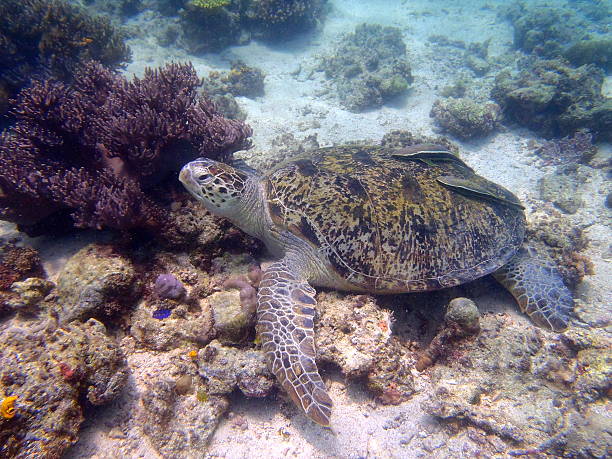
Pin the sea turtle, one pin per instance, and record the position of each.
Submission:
(371, 219)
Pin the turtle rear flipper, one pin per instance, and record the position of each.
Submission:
(285, 313)
(538, 288)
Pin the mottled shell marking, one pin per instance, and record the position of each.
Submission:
(388, 224)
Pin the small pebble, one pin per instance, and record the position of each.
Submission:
(464, 313)
(182, 384)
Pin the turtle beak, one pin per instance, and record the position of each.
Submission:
(186, 177)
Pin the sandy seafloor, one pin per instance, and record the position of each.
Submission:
(361, 428)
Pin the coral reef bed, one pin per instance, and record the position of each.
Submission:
(509, 390)
(212, 25)
(54, 373)
(553, 30)
(554, 98)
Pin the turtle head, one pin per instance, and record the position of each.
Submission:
(218, 186)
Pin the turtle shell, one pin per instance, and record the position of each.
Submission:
(389, 225)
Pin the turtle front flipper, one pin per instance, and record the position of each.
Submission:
(285, 313)
(538, 288)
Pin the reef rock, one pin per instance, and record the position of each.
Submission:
(161, 327)
(225, 368)
(52, 372)
(466, 118)
(369, 67)
(30, 293)
(555, 99)
(522, 385)
(562, 190)
(232, 320)
(95, 282)
(355, 334)
(461, 320)
(180, 425)
(351, 332)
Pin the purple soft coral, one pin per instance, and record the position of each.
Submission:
(98, 147)
(167, 286)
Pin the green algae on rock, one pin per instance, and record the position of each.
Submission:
(232, 320)
(596, 51)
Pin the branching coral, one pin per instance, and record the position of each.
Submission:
(51, 38)
(96, 147)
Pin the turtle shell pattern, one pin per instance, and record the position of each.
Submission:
(388, 225)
